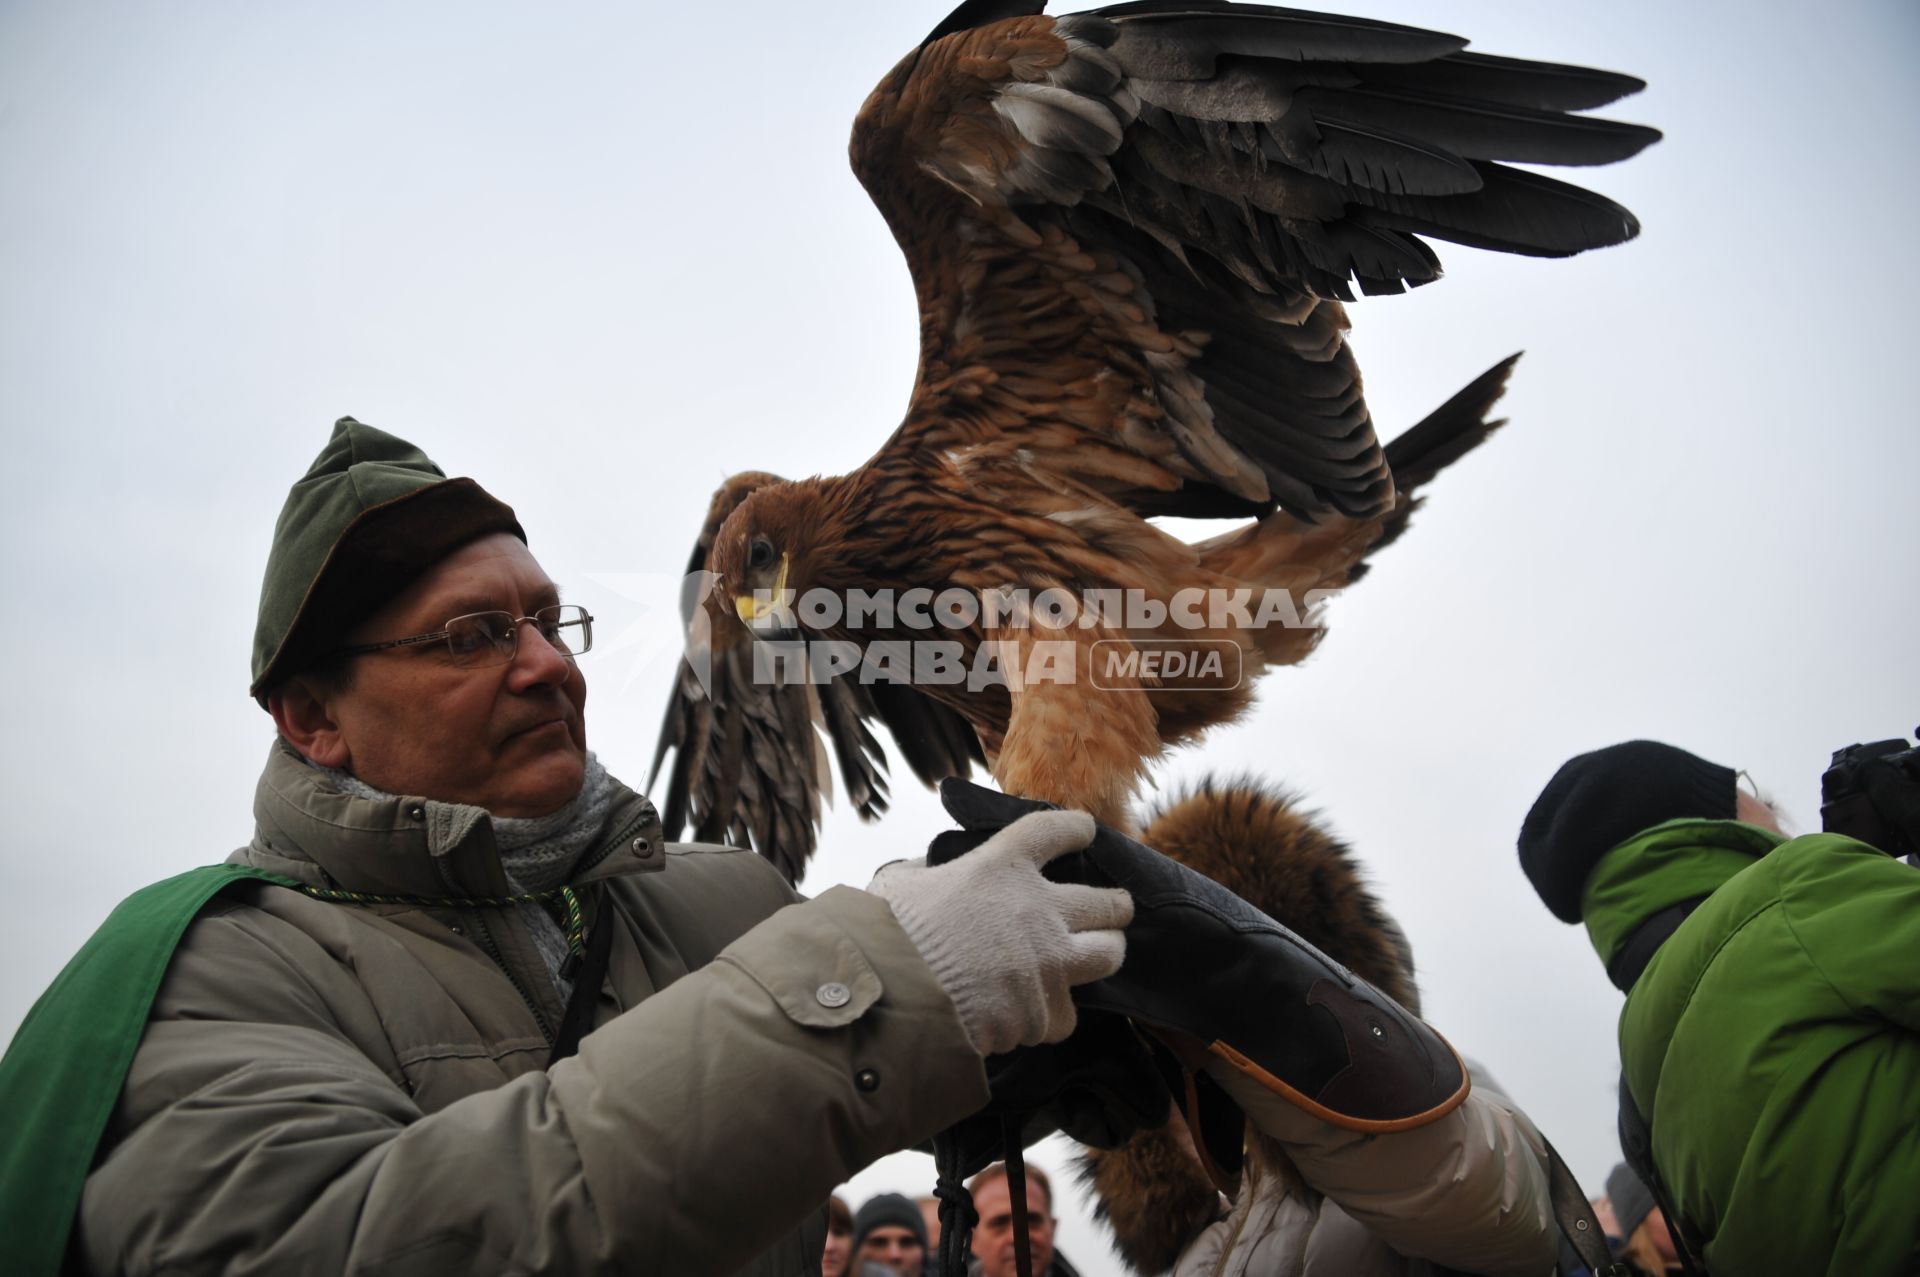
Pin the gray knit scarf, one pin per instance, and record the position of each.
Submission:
(539, 853)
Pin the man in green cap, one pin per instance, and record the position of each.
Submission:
(455, 1007)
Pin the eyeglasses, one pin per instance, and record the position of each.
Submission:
(493, 638)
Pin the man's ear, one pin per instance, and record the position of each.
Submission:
(305, 717)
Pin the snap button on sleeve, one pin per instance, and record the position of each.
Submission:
(867, 1079)
(416, 813)
(807, 958)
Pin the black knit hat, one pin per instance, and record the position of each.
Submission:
(1597, 801)
(1631, 1199)
(889, 1210)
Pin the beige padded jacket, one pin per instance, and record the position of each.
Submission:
(1468, 1191)
(328, 1088)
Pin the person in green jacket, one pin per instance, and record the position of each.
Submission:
(350, 1052)
(1771, 1034)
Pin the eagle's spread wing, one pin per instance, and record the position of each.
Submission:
(1130, 231)
(749, 766)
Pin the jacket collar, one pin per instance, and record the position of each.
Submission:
(1673, 863)
(413, 846)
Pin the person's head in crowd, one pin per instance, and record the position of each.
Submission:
(1597, 801)
(888, 1231)
(1600, 799)
(1609, 1222)
(1646, 1243)
(993, 1236)
(1632, 1200)
(838, 1256)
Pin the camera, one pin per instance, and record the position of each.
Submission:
(1872, 792)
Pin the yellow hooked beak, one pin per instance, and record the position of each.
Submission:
(752, 607)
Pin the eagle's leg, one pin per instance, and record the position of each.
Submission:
(1073, 738)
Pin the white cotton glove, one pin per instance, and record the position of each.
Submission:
(1006, 944)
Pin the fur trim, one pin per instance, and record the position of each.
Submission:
(1153, 1194)
(1252, 838)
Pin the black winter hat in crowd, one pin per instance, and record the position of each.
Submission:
(1631, 1199)
(889, 1210)
(1597, 801)
(371, 515)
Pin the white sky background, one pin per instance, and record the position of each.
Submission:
(600, 256)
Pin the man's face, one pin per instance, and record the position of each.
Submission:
(895, 1247)
(993, 1238)
(509, 738)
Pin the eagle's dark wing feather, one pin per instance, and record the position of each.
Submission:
(1131, 229)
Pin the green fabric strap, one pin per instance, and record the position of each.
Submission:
(63, 1072)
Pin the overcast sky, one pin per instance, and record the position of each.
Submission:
(601, 255)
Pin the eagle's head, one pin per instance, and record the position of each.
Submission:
(761, 552)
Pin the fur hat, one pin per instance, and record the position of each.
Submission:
(371, 515)
(888, 1210)
(1597, 801)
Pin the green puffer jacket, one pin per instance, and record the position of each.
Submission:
(1774, 1041)
(329, 1088)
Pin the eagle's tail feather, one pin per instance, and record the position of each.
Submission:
(1441, 438)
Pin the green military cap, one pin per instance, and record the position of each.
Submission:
(372, 514)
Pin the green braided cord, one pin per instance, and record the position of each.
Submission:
(576, 924)
(371, 898)
(576, 927)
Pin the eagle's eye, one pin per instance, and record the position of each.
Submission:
(760, 553)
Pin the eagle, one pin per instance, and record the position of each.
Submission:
(1132, 233)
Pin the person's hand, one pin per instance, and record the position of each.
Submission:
(1007, 945)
